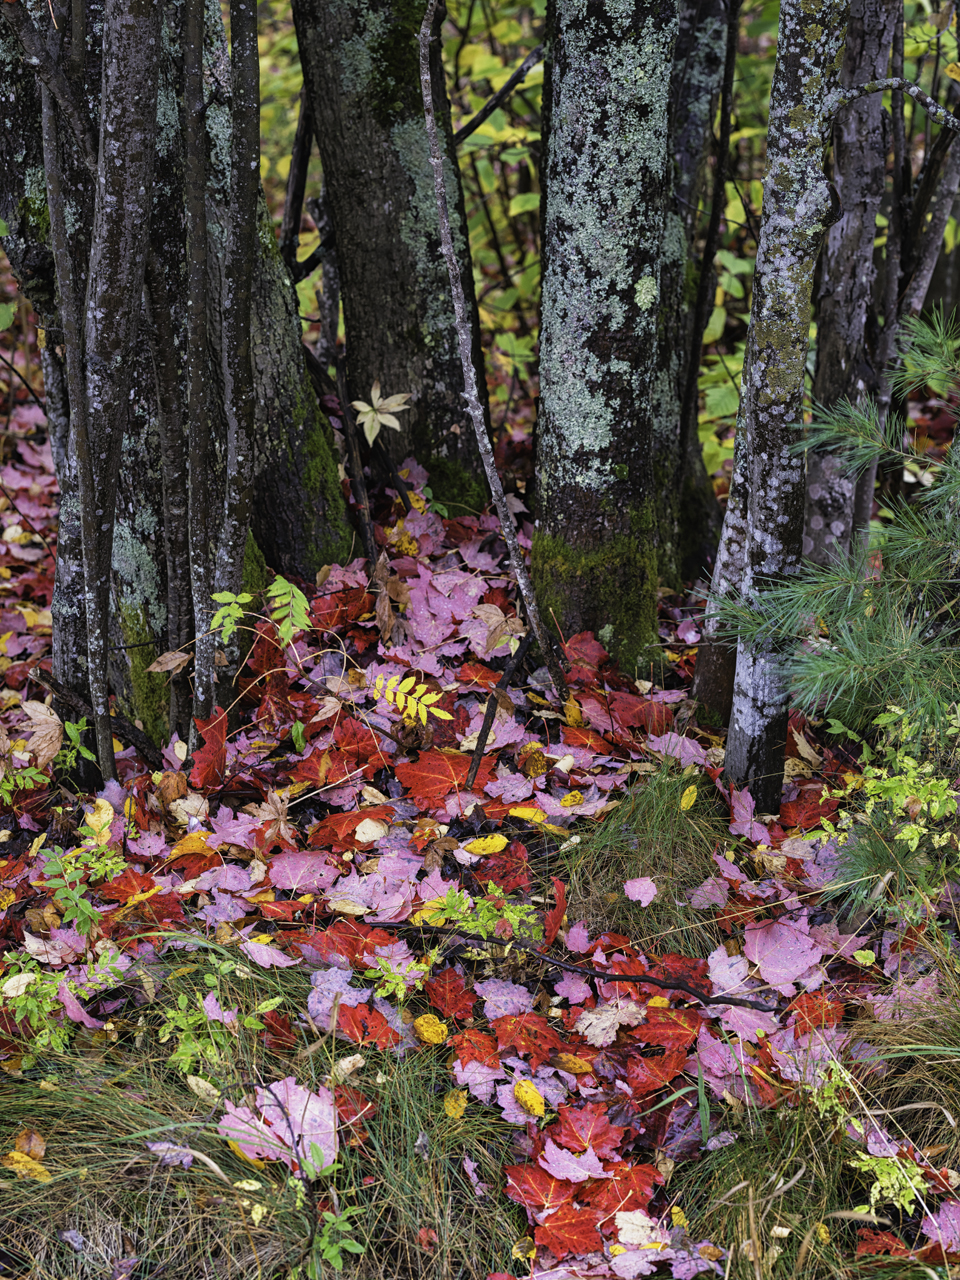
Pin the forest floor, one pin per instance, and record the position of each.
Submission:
(313, 1002)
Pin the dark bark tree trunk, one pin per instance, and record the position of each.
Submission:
(798, 206)
(361, 79)
(598, 545)
(688, 502)
(846, 367)
(140, 368)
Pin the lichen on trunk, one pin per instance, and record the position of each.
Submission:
(599, 546)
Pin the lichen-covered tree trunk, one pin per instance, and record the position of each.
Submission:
(361, 77)
(846, 366)
(798, 206)
(598, 544)
(297, 512)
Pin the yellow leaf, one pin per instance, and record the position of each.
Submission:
(25, 1166)
(430, 912)
(430, 1029)
(571, 709)
(678, 1217)
(100, 818)
(953, 70)
(235, 1148)
(486, 845)
(570, 1063)
(689, 798)
(528, 813)
(525, 1249)
(529, 1097)
(617, 1249)
(572, 798)
(455, 1103)
(195, 842)
(658, 1002)
(7, 898)
(207, 1093)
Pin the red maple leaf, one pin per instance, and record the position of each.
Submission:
(210, 760)
(815, 1010)
(278, 1034)
(808, 810)
(534, 1188)
(527, 1033)
(673, 1028)
(509, 869)
(475, 1046)
(364, 1025)
(587, 1127)
(329, 612)
(125, 885)
(586, 655)
(631, 1187)
(584, 738)
(437, 773)
(646, 1075)
(569, 1230)
(477, 673)
(338, 828)
(876, 1242)
(448, 993)
(553, 919)
(353, 1107)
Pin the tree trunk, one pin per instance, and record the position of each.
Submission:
(798, 204)
(297, 512)
(598, 545)
(688, 502)
(361, 78)
(846, 367)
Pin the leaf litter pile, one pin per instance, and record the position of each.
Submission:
(356, 831)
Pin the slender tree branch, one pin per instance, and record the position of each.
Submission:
(465, 339)
(491, 710)
(845, 96)
(358, 483)
(51, 74)
(500, 97)
(14, 370)
(296, 187)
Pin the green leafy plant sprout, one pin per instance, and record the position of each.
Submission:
(73, 747)
(32, 996)
(230, 614)
(491, 916)
(393, 982)
(290, 609)
(15, 781)
(71, 874)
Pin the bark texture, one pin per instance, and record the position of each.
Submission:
(599, 545)
(142, 344)
(798, 206)
(846, 366)
(361, 77)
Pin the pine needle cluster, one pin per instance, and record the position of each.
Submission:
(881, 624)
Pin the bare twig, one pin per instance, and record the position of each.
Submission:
(930, 105)
(497, 99)
(14, 370)
(465, 339)
(673, 984)
(356, 466)
(491, 710)
(296, 185)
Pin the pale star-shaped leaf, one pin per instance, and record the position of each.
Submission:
(380, 412)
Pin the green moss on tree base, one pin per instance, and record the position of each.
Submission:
(333, 539)
(613, 590)
(454, 486)
(148, 700)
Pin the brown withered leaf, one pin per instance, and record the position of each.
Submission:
(173, 660)
(46, 729)
(172, 786)
(29, 1143)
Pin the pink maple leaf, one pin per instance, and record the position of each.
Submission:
(560, 1163)
(642, 890)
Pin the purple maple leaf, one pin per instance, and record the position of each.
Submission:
(263, 954)
(306, 1120)
(235, 828)
(642, 890)
(302, 872)
(577, 938)
(328, 985)
(782, 951)
(674, 744)
(743, 806)
(503, 998)
(478, 1078)
(213, 1010)
(573, 988)
(171, 1153)
(564, 1164)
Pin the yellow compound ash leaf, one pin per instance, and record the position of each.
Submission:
(529, 1097)
(455, 1103)
(689, 798)
(485, 845)
(430, 1029)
